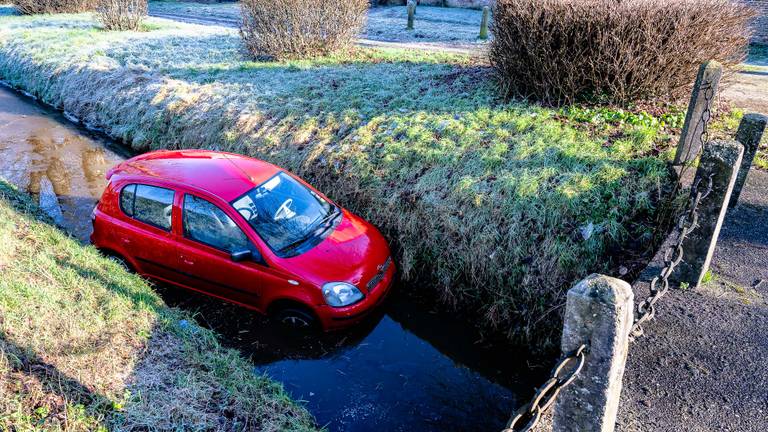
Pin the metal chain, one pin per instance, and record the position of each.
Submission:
(529, 415)
(687, 223)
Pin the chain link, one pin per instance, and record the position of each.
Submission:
(687, 223)
(530, 414)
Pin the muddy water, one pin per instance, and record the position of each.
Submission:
(61, 164)
(408, 368)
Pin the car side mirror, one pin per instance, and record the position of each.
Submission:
(242, 255)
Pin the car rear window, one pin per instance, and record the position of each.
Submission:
(149, 204)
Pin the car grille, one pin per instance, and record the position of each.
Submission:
(380, 275)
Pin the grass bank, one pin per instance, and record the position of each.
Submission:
(496, 207)
(87, 346)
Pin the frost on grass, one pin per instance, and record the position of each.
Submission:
(481, 199)
(87, 346)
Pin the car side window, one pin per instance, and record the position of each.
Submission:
(207, 223)
(149, 204)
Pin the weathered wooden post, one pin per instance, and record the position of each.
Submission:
(484, 23)
(720, 162)
(750, 134)
(598, 313)
(699, 112)
(411, 12)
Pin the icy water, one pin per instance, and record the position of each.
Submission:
(408, 368)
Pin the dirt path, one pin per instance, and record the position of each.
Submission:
(700, 365)
(749, 90)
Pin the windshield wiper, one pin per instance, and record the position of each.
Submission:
(322, 227)
(295, 244)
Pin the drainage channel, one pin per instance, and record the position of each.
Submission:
(410, 367)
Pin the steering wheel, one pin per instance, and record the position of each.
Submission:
(249, 215)
(284, 211)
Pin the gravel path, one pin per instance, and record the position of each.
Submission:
(699, 367)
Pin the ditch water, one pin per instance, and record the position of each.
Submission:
(408, 368)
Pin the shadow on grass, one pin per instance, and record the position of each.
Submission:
(57, 390)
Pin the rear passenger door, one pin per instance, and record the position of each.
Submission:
(147, 236)
(209, 236)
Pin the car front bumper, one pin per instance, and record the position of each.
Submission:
(333, 318)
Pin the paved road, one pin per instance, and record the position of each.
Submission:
(426, 46)
(701, 366)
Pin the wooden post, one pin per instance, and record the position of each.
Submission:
(698, 115)
(599, 312)
(750, 134)
(411, 13)
(484, 23)
(720, 162)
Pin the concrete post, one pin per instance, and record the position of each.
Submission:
(721, 161)
(598, 312)
(698, 115)
(750, 134)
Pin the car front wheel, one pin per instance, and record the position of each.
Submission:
(295, 318)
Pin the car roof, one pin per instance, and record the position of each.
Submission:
(226, 175)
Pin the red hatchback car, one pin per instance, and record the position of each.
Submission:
(245, 231)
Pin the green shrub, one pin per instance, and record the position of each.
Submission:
(30, 7)
(615, 51)
(300, 28)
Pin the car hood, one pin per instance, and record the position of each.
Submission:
(352, 253)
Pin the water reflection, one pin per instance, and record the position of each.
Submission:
(45, 155)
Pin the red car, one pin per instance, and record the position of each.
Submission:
(245, 231)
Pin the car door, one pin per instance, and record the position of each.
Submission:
(208, 238)
(146, 233)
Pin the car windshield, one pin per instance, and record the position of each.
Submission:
(284, 212)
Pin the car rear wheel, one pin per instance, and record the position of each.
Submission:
(120, 260)
(295, 318)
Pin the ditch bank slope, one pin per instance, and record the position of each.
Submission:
(495, 207)
(85, 345)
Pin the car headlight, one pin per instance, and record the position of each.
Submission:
(339, 294)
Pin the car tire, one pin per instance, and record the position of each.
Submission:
(120, 260)
(295, 318)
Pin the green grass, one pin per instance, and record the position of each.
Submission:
(87, 346)
(486, 202)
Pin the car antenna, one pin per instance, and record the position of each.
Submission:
(226, 156)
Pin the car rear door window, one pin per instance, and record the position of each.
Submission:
(149, 204)
(207, 223)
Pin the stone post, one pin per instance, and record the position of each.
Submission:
(721, 161)
(484, 23)
(749, 135)
(411, 12)
(698, 115)
(599, 312)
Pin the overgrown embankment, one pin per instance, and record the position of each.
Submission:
(87, 346)
(497, 207)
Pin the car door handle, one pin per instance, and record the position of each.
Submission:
(187, 262)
